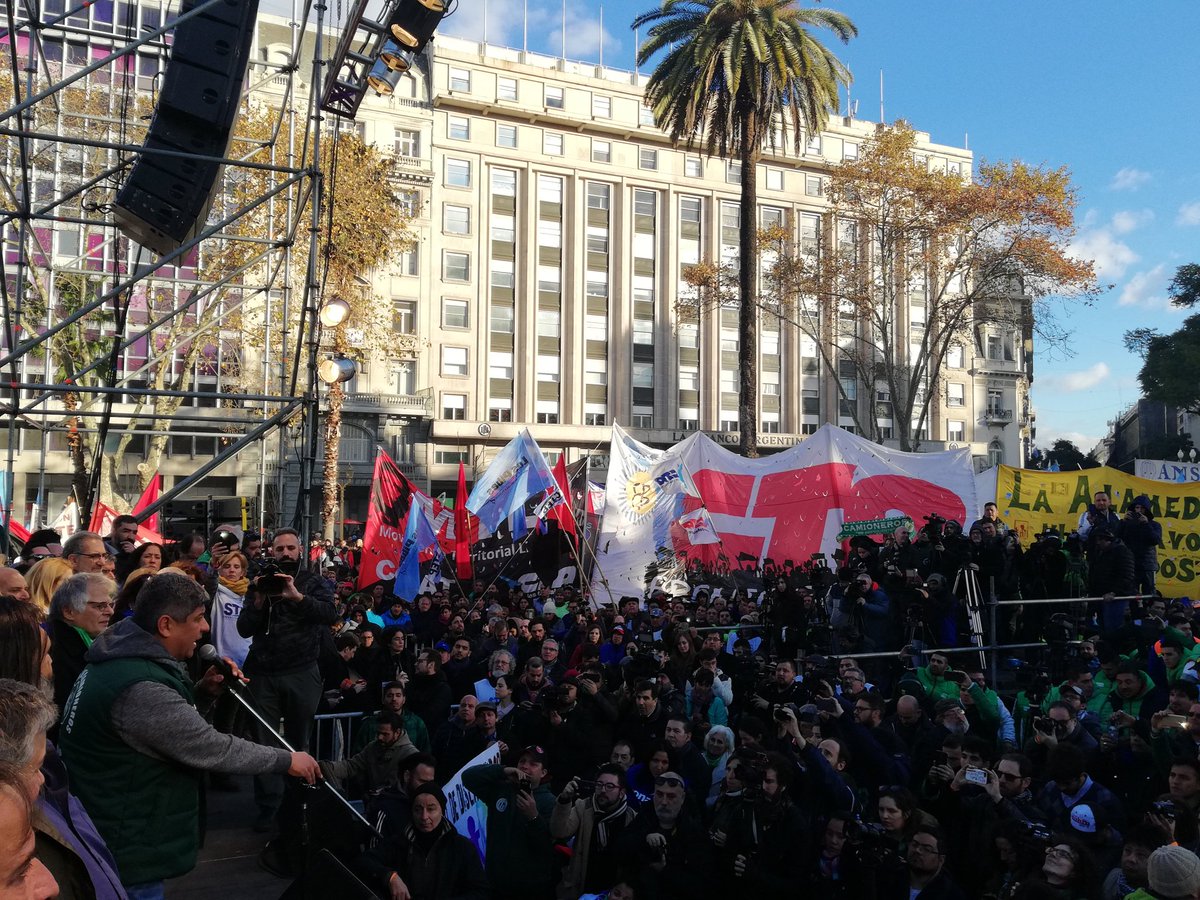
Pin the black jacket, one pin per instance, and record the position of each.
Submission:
(287, 634)
(1111, 570)
(429, 698)
(448, 870)
(67, 653)
(688, 873)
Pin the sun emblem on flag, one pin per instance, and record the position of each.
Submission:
(640, 494)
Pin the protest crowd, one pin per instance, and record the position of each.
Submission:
(807, 729)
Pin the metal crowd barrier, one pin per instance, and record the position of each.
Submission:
(334, 734)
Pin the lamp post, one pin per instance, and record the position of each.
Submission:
(334, 372)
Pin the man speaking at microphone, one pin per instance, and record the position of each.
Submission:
(136, 745)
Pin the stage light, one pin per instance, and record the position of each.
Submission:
(395, 57)
(334, 312)
(415, 22)
(337, 370)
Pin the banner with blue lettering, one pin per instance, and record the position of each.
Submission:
(466, 812)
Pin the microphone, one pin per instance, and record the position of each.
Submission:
(209, 654)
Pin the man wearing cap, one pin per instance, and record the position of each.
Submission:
(520, 851)
(1174, 874)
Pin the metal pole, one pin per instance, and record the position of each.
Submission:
(994, 634)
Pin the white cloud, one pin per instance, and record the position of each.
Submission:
(1111, 256)
(1073, 382)
(1146, 289)
(1085, 442)
(1129, 179)
(1128, 220)
(506, 27)
(1189, 214)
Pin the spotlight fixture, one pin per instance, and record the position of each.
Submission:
(415, 21)
(337, 370)
(334, 312)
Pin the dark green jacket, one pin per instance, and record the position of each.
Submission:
(520, 852)
(146, 809)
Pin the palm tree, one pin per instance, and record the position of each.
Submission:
(733, 72)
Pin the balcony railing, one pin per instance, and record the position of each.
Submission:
(395, 404)
(995, 416)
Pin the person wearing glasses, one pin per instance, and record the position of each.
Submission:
(666, 851)
(926, 858)
(79, 611)
(86, 552)
(1066, 872)
(594, 825)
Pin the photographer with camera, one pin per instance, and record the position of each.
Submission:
(666, 853)
(520, 857)
(1143, 536)
(592, 816)
(286, 610)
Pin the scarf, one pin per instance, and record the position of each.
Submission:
(87, 638)
(239, 587)
(602, 826)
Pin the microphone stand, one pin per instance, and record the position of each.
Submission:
(229, 681)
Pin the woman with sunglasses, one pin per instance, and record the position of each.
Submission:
(1066, 873)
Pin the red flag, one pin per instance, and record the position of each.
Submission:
(391, 496)
(564, 513)
(462, 529)
(149, 495)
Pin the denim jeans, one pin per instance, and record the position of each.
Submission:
(151, 890)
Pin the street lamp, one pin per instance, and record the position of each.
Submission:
(336, 370)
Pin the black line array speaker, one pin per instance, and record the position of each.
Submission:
(165, 199)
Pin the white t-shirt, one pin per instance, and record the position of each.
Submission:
(226, 608)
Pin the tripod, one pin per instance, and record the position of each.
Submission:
(968, 579)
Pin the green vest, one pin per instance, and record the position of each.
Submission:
(146, 809)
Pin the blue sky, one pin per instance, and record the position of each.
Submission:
(1107, 89)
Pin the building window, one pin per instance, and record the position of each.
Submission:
(643, 375)
(454, 406)
(548, 321)
(646, 117)
(770, 427)
(455, 314)
(499, 413)
(648, 159)
(554, 97)
(597, 195)
(689, 378)
(955, 431)
(456, 266)
(595, 328)
(692, 167)
(643, 420)
(456, 219)
(813, 186)
(503, 276)
(409, 202)
(500, 365)
(995, 453)
(729, 425)
(451, 457)
(547, 369)
(408, 263)
(506, 136)
(454, 362)
(547, 418)
(552, 144)
(404, 317)
(504, 182)
(814, 144)
(955, 394)
(954, 356)
(458, 172)
(595, 371)
(502, 319)
(459, 128)
(460, 79)
(849, 150)
(774, 179)
(408, 142)
(689, 424)
(601, 107)
(601, 151)
(506, 89)
(733, 172)
(594, 418)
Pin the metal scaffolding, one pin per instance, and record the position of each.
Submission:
(44, 189)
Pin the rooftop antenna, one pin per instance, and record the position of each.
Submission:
(966, 140)
(525, 27)
(601, 37)
(485, 22)
(882, 120)
(564, 32)
(636, 44)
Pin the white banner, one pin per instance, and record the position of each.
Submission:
(776, 508)
(1167, 470)
(466, 812)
